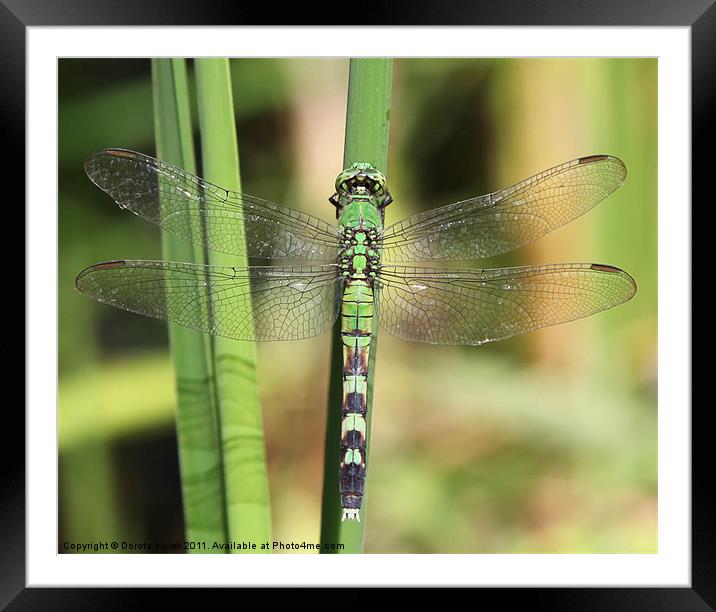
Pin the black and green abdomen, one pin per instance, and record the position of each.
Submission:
(356, 326)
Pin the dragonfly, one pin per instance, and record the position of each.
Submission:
(313, 272)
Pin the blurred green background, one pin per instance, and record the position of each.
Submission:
(540, 444)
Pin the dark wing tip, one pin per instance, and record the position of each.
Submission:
(94, 162)
(590, 159)
(618, 163)
(105, 265)
(116, 152)
(109, 265)
(605, 268)
(623, 275)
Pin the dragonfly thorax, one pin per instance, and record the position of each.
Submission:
(359, 258)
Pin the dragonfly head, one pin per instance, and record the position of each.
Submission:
(362, 180)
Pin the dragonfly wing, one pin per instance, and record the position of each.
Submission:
(478, 306)
(502, 221)
(205, 214)
(253, 303)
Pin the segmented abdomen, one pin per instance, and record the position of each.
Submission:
(356, 326)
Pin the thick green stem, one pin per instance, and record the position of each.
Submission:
(367, 123)
(197, 427)
(241, 426)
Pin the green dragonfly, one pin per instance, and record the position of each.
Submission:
(315, 272)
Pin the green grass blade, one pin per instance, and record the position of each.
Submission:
(245, 472)
(367, 123)
(197, 426)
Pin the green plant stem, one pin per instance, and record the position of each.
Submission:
(197, 427)
(242, 438)
(367, 123)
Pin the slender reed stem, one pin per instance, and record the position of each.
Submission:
(241, 426)
(199, 445)
(367, 123)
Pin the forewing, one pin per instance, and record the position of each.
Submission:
(502, 221)
(479, 306)
(254, 303)
(205, 214)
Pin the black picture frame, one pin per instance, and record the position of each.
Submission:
(17, 15)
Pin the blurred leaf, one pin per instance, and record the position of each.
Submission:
(119, 398)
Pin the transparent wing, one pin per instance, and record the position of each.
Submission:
(195, 210)
(254, 303)
(502, 221)
(479, 306)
